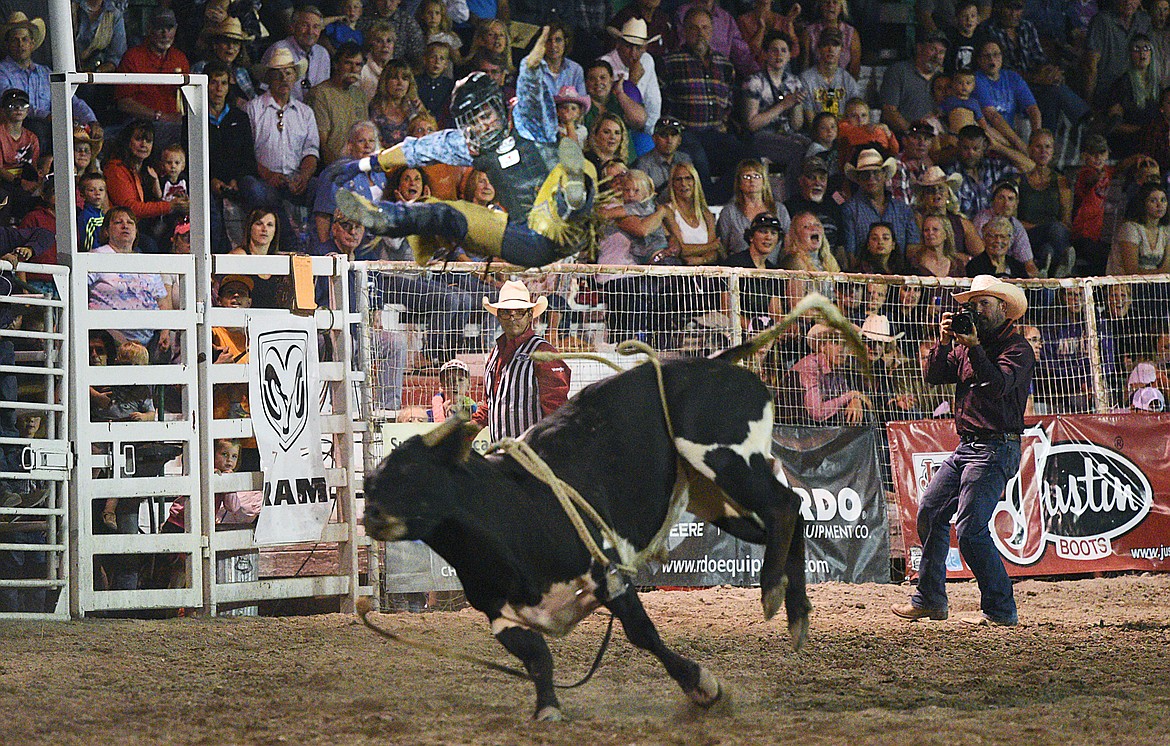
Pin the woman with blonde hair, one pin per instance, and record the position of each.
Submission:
(396, 102)
(609, 140)
(752, 196)
(805, 246)
(936, 256)
(492, 36)
(690, 224)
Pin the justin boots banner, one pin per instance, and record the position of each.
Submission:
(1092, 494)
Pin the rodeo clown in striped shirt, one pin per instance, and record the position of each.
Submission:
(519, 391)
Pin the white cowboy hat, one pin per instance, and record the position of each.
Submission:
(871, 160)
(634, 31)
(281, 58)
(36, 28)
(935, 176)
(1012, 296)
(1149, 399)
(514, 294)
(877, 328)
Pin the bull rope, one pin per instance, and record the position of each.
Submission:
(570, 499)
(364, 607)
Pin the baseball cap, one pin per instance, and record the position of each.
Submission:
(921, 127)
(814, 165)
(1095, 144)
(162, 17)
(668, 125)
(454, 366)
(14, 96)
(937, 37)
(830, 36)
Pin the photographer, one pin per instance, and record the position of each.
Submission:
(992, 366)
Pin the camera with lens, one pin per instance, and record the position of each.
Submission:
(963, 322)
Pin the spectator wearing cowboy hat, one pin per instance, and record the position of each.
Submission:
(23, 36)
(287, 139)
(828, 396)
(519, 390)
(660, 32)
(634, 67)
(157, 54)
(571, 107)
(935, 194)
(301, 46)
(992, 367)
(225, 42)
(873, 202)
(894, 379)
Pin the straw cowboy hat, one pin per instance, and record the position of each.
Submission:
(821, 331)
(35, 26)
(81, 134)
(871, 160)
(281, 58)
(569, 95)
(514, 294)
(634, 31)
(230, 28)
(1012, 296)
(877, 328)
(935, 176)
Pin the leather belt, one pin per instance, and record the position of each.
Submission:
(990, 438)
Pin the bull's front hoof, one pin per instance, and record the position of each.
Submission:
(708, 692)
(773, 597)
(549, 714)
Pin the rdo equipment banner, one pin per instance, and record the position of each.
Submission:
(283, 382)
(835, 472)
(1092, 494)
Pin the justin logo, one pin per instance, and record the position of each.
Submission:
(284, 383)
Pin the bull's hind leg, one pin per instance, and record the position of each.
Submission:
(696, 682)
(532, 650)
(752, 484)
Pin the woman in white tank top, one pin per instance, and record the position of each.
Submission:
(690, 225)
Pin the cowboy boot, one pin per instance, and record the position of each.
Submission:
(430, 227)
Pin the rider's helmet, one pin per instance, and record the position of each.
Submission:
(477, 106)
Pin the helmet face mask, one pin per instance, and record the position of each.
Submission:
(477, 105)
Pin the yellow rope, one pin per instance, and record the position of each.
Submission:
(570, 499)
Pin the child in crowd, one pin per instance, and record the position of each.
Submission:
(960, 108)
(961, 37)
(435, 83)
(436, 25)
(91, 216)
(125, 404)
(855, 129)
(454, 391)
(571, 106)
(234, 508)
(825, 142)
(344, 27)
(20, 150)
(173, 184)
(1092, 186)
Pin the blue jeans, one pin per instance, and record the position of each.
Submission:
(970, 482)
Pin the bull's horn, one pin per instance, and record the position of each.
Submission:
(452, 424)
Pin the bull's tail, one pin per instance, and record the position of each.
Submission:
(812, 302)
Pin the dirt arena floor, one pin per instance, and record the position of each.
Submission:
(1090, 663)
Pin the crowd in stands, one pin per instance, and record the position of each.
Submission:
(1020, 138)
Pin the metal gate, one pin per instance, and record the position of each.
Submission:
(35, 453)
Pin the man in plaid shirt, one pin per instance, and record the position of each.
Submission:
(698, 87)
(980, 170)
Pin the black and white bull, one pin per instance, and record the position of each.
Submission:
(520, 560)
